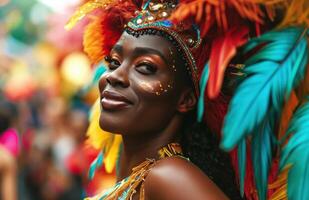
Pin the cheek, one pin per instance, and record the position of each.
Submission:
(102, 81)
(155, 88)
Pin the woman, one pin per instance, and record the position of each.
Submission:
(159, 60)
(132, 86)
(9, 150)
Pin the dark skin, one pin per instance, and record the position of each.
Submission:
(145, 100)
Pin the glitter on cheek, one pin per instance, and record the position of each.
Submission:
(149, 87)
(163, 88)
(156, 87)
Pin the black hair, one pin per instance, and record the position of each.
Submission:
(202, 148)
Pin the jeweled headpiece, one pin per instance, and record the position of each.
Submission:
(154, 19)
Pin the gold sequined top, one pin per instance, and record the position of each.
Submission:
(125, 189)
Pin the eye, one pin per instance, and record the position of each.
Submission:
(146, 68)
(113, 63)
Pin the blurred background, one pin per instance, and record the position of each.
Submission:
(45, 97)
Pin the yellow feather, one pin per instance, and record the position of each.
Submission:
(96, 136)
(280, 185)
(100, 139)
(84, 10)
(112, 154)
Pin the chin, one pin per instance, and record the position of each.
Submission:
(112, 123)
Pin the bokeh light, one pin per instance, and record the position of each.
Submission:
(46, 93)
(76, 69)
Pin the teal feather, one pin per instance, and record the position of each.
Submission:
(99, 70)
(96, 163)
(146, 4)
(296, 153)
(201, 102)
(271, 74)
(242, 155)
(269, 81)
(261, 152)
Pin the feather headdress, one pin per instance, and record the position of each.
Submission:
(262, 45)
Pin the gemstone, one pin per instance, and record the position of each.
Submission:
(155, 7)
(164, 14)
(150, 18)
(139, 21)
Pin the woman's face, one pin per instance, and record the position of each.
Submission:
(141, 89)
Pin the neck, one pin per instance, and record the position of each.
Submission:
(139, 147)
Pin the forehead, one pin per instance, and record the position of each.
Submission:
(129, 43)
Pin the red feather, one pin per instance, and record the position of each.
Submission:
(222, 51)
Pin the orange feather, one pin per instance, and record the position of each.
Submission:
(217, 9)
(287, 113)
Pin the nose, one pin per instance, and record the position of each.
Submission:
(118, 77)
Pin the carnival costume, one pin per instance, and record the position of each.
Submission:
(256, 50)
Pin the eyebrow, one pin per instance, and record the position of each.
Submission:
(141, 50)
(145, 50)
(117, 48)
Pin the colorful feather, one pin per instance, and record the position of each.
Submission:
(259, 98)
(207, 13)
(106, 25)
(84, 10)
(242, 154)
(262, 150)
(93, 41)
(222, 51)
(112, 153)
(96, 136)
(201, 102)
(109, 143)
(105, 30)
(280, 185)
(287, 113)
(97, 73)
(297, 13)
(269, 81)
(296, 154)
(97, 163)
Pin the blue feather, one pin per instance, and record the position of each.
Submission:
(296, 153)
(96, 163)
(269, 81)
(203, 83)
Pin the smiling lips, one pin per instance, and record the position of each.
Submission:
(114, 101)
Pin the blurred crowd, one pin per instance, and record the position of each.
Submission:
(44, 104)
(49, 133)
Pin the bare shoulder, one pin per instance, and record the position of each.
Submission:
(176, 178)
(7, 162)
